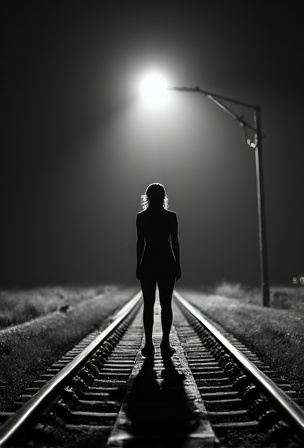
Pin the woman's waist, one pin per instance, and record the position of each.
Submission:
(157, 245)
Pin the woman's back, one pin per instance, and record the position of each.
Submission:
(156, 226)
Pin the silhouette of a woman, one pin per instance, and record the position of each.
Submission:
(158, 262)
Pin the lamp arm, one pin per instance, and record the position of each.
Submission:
(215, 95)
(243, 123)
(216, 99)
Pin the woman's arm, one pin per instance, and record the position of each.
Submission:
(175, 245)
(140, 245)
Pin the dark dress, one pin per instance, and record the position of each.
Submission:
(156, 226)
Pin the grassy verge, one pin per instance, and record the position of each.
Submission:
(28, 349)
(276, 335)
(18, 306)
(281, 297)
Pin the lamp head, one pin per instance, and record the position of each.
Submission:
(154, 89)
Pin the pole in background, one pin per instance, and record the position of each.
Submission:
(261, 208)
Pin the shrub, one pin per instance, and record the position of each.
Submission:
(233, 291)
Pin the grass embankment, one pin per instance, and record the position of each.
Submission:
(28, 349)
(276, 335)
(18, 306)
(281, 297)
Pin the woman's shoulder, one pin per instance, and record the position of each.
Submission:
(170, 213)
(141, 215)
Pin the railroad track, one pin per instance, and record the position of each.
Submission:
(213, 392)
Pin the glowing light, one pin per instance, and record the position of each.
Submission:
(154, 89)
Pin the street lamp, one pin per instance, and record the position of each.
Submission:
(256, 144)
(154, 89)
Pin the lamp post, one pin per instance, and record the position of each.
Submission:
(256, 144)
(155, 83)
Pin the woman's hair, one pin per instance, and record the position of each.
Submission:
(155, 196)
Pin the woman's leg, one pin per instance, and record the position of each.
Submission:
(148, 286)
(165, 286)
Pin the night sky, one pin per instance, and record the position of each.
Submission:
(79, 147)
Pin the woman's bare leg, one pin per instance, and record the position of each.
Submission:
(166, 285)
(148, 287)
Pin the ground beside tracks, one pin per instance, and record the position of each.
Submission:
(275, 335)
(26, 350)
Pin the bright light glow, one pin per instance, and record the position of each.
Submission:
(154, 89)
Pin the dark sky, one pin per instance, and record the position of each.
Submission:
(78, 147)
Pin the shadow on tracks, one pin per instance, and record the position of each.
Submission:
(159, 408)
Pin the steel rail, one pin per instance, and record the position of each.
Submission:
(28, 415)
(280, 401)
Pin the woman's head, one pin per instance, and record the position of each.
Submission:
(155, 196)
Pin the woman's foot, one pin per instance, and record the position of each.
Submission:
(166, 350)
(148, 350)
